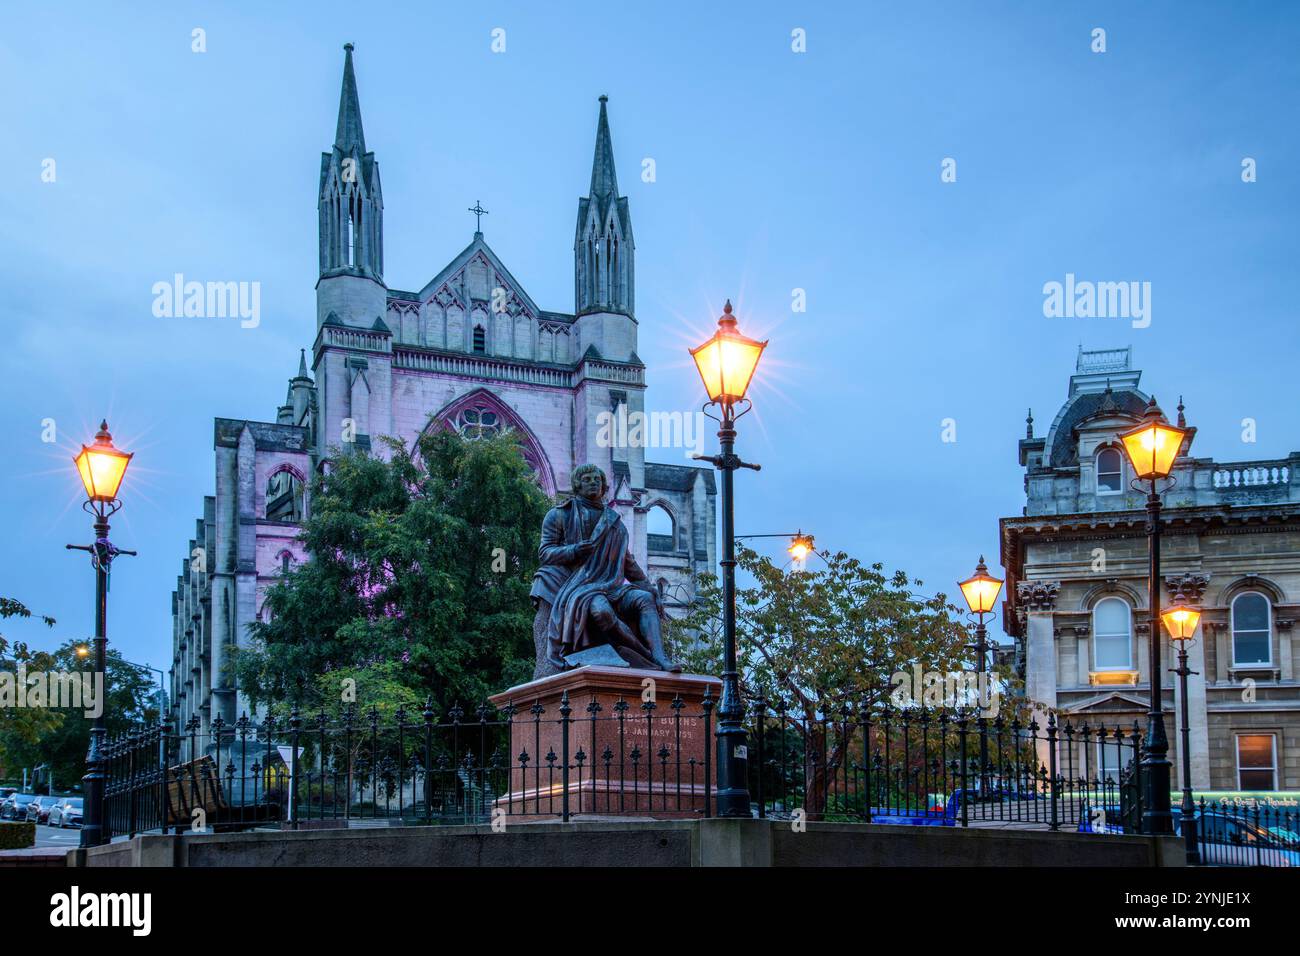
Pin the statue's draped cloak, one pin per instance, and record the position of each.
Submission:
(569, 629)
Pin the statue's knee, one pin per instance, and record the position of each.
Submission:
(602, 613)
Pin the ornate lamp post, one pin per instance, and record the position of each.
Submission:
(1180, 621)
(981, 593)
(1151, 448)
(101, 468)
(726, 363)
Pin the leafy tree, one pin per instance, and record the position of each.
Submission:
(58, 736)
(817, 641)
(423, 562)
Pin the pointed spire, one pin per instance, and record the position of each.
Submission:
(604, 184)
(349, 131)
(302, 363)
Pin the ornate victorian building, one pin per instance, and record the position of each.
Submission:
(469, 350)
(1076, 565)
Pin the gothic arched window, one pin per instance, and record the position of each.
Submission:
(1252, 631)
(480, 340)
(284, 491)
(1110, 472)
(352, 252)
(1112, 633)
(660, 529)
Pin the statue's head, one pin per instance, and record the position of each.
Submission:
(589, 482)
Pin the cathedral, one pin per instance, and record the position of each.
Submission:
(468, 351)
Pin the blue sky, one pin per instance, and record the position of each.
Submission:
(775, 171)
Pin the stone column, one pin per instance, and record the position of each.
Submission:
(1285, 657)
(1197, 718)
(1038, 599)
(1083, 658)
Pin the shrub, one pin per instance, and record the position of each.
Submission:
(17, 836)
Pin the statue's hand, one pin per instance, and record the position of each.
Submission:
(584, 549)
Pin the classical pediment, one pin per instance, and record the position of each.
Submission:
(1114, 702)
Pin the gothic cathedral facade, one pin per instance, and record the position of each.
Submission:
(469, 351)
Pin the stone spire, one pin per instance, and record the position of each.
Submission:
(604, 181)
(351, 206)
(300, 389)
(603, 267)
(349, 132)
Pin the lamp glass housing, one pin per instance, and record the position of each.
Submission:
(101, 467)
(1180, 621)
(1152, 448)
(981, 590)
(726, 362)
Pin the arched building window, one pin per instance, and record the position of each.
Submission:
(480, 414)
(1252, 629)
(284, 496)
(1112, 632)
(1110, 472)
(480, 340)
(661, 530)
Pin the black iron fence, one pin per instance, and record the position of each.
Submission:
(581, 758)
(948, 767)
(910, 766)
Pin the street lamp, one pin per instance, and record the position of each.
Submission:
(1181, 620)
(1151, 448)
(801, 544)
(726, 363)
(981, 593)
(101, 467)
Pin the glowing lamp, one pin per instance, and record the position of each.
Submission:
(1181, 619)
(1152, 446)
(801, 545)
(727, 361)
(981, 589)
(102, 466)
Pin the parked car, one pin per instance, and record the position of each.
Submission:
(38, 811)
(15, 808)
(7, 792)
(66, 813)
(1227, 840)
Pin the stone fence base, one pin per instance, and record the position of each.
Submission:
(683, 843)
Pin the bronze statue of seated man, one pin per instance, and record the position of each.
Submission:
(589, 591)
